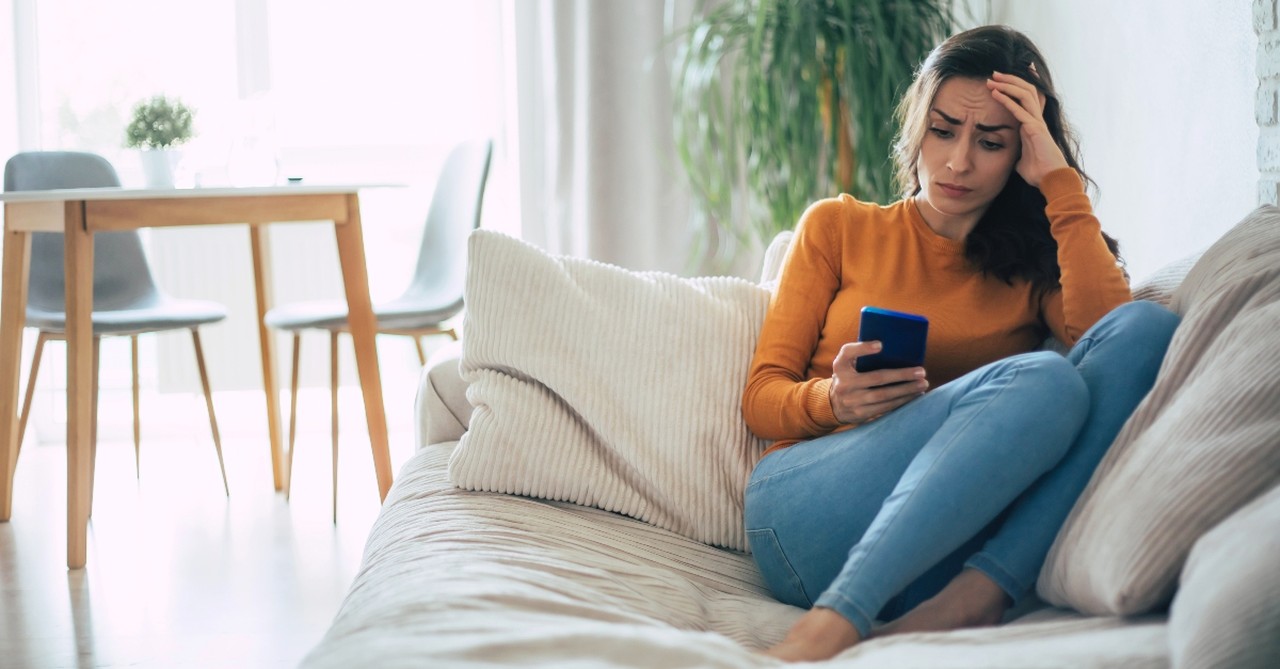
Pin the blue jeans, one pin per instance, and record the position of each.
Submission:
(980, 472)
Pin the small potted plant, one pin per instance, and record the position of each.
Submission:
(158, 126)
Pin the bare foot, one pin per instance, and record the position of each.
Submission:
(819, 634)
(971, 599)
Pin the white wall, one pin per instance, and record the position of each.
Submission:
(8, 86)
(1161, 93)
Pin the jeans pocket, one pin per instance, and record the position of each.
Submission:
(778, 573)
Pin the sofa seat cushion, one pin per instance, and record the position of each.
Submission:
(1204, 441)
(454, 578)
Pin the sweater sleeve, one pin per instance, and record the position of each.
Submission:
(779, 402)
(1092, 282)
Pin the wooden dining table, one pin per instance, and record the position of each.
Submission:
(80, 213)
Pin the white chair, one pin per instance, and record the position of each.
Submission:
(126, 300)
(433, 296)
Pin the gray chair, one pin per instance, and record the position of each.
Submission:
(126, 300)
(433, 296)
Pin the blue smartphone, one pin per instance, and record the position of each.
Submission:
(901, 334)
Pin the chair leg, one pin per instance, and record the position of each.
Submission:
(93, 422)
(333, 408)
(293, 414)
(453, 334)
(417, 342)
(208, 399)
(31, 387)
(137, 421)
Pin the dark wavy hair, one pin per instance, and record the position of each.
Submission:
(1012, 239)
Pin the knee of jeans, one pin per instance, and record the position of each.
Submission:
(1142, 322)
(1060, 380)
(1060, 396)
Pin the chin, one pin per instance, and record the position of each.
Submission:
(946, 205)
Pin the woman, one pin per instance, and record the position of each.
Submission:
(882, 498)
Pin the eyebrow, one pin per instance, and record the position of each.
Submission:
(979, 126)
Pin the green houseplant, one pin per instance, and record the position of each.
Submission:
(157, 127)
(782, 102)
(159, 123)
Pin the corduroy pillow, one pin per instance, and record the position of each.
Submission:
(1204, 441)
(608, 388)
(1227, 610)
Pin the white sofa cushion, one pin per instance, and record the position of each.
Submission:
(608, 388)
(441, 405)
(1161, 286)
(1227, 610)
(1204, 441)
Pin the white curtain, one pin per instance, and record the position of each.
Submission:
(598, 170)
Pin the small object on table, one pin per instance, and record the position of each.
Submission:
(295, 180)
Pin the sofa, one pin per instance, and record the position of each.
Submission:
(575, 498)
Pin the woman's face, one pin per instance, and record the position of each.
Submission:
(969, 150)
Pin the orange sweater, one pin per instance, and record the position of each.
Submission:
(849, 254)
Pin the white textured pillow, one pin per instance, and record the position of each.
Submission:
(1160, 286)
(608, 388)
(1227, 610)
(1204, 441)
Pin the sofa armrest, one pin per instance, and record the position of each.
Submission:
(441, 408)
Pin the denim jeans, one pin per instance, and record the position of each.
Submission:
(980, 472)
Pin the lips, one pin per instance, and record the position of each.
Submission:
(954, 190)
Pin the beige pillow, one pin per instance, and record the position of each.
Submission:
(1251, 247)
(1227, 610)
(608, 388)
(1204, 441)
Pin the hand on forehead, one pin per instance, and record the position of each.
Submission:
(968, 102)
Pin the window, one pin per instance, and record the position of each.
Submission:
(370, 92)
(95, 60)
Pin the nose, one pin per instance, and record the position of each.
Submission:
(960, 161)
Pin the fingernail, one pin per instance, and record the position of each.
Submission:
(919, 373)
(876, 346)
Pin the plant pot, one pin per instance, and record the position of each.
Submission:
(159, 166)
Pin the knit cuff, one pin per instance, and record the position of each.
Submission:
(817, 403)
(1061, 182)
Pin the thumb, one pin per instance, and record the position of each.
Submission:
(854, 350)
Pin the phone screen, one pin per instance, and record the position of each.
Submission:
(902, 335)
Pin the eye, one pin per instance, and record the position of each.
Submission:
(990, 145)
(941, 132)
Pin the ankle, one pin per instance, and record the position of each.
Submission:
(822, 622)
(971, 599)
(981, 589)
(976, 598)
(817, 635)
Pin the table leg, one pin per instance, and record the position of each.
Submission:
(78, 245)
(363, 331)
(266, 341)
(13, 313)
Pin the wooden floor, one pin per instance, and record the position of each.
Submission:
(178, 574)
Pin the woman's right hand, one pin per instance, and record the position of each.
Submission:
(859, 397)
